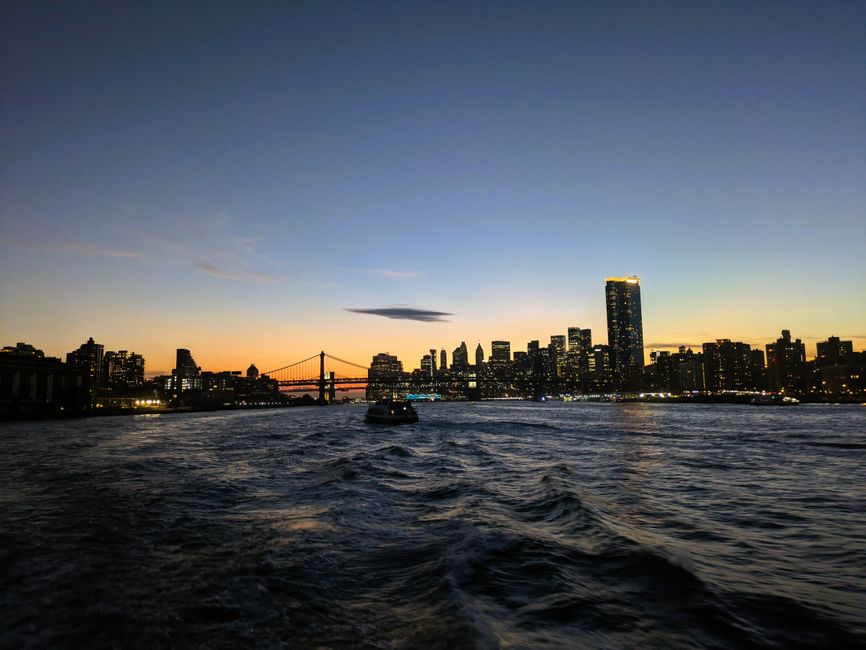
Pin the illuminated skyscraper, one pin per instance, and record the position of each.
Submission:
(557, 352)
(625, 330)
(500, 351)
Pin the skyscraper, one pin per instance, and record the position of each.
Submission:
(557, 352)
(500, 352)
(460, 357)
(479, 356)
(443, 360)
(625, 330)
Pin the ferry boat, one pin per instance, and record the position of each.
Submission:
(391, 411)
(774, 400)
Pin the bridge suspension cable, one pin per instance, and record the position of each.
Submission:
(348, 363)
(291, 365)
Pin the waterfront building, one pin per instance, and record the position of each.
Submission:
(625, 330)
(727, 365)
(758, 369)
(122, 370)
(186, 376)
(89, 355)
(479, 356)
(252, 372)
(33, 385)
(428, 364)
(838, 369)
(680, 372)
(786, 364)
(601, 372)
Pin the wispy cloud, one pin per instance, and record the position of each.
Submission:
(230, 260)
(397, 275)
(671, 345)
(404, 313)
(72, 248)
(239, 275)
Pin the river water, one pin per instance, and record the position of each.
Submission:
(491, 524)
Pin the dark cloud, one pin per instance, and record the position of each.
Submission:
(404, 313)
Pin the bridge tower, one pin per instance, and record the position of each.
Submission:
(322, 401)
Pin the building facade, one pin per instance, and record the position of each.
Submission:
(625, 330)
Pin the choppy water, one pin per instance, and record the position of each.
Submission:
(484, 525)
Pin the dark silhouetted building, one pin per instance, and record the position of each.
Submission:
(727, 365)
(833, 351)
(443, 360)
(479, 356)
(252, 372)
(122, 370)
(89, 356)
(460, 358)
(433, 360)
(33, 385)
(186, 376)
(786, 365)
(625, 330)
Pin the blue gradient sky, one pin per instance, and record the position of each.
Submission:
(230, 178)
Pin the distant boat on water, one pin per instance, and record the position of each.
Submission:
(774, 400)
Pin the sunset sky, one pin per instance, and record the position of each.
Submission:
(234, 177)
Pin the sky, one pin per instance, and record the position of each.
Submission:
(258, 181)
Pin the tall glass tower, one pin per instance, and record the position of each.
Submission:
(625, 330)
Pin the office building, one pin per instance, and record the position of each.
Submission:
(557, 353)
(625, 330)
(479, 356)
(500, 352)
(460, 358)
(443, 360)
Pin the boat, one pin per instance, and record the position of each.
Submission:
(774, 400)
(391, 411)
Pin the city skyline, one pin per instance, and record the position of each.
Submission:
(256, 185)
(568, 340)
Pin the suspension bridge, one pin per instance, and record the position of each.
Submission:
(325, 373)
(321, 371)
